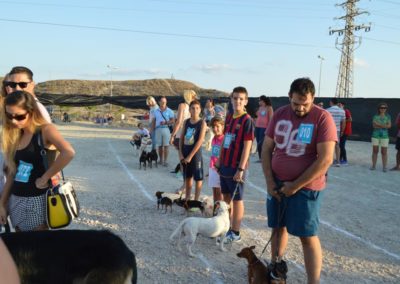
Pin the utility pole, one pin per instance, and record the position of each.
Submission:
(350, 42)
(320, 73)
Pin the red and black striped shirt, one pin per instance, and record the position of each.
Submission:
(237, 130)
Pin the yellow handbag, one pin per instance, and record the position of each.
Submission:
(58, 215)
(62, 203)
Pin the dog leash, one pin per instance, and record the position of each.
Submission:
(280, 216)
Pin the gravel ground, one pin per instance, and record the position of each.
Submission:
(359, 219)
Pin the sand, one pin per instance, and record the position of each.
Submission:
(359, 218)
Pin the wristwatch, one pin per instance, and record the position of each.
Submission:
(240, 169)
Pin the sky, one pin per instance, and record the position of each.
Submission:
(262, 45)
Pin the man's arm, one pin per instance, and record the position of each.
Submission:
(266, 158)
(325, 152)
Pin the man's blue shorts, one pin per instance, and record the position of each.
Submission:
(228, 185)
(299, 213)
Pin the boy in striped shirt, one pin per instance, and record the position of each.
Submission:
(233, 161)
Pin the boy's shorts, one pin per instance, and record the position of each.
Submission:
(228, 186)
(398, 144)
(194, 169)
(213, 178)
(299, 213)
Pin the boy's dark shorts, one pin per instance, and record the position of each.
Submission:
(299, 213)
(194, 169)
(228, 185)
(398, 144)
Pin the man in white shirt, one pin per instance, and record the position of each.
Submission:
(339, 117)
(21, 79)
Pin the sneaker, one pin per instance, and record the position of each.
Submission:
(232, 238)
(344, 163)
(336, 163)
(194, 209)
(384, 170)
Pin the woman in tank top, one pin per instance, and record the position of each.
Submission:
(27, 180)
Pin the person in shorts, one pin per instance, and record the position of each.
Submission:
(217, 127)
(234, 157)
(163, 118)
(190, 154)
(381, 123)
(297, 152)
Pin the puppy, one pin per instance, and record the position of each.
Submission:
(71, 256)
(189, 204)
(136, 146)
(180, 202)
(208, 227)
(164, 201)
(153, 156)
(257, 272)
(143, 160)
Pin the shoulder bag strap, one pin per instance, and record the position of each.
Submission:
(162, 115)
(43, 153)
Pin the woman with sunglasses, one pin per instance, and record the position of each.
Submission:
(27, 180)
(381, 122)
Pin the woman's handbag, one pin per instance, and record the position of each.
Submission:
(62, 203)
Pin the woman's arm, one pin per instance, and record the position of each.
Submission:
(5, 195)
(51, 136)
(181, 157)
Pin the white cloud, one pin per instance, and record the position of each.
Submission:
(358, 62)
(213, 68)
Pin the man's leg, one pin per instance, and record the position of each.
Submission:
(283, 241)
(337, 151)
(398, 160)
(165, 154)
(161, 153)
(312, 258)
(343, 154)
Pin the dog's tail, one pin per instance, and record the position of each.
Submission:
(178, 230)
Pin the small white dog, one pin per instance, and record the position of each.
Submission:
(216, 226)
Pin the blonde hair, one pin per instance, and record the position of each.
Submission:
(150, 100)
(189, 96)
(11, 135)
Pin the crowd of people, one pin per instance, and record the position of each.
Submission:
(300, 134)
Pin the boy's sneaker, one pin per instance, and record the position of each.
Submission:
(231, 237)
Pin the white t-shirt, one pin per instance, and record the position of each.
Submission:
(43, 111)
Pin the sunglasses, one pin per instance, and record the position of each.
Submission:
(17, 117)
(383, 108)
(13, 85)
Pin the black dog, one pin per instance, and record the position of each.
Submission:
(71, 256)
(164, 201)
(189, 204)
(143, 160)
(152, 156)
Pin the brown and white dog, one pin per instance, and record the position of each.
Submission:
(71, 256)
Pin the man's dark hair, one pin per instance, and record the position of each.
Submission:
(163, 97)
(302, 86)
(342, 102)
(240, 90)
(266, 100)
(23, 70)
(334, 101)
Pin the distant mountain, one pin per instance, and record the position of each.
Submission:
(152, 87)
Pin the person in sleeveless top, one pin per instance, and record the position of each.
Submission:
(181, 115)
(190, 154)
(24, 193)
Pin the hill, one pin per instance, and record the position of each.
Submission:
(151, 87)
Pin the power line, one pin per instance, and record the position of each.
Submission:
(382, 40)
(164, 33)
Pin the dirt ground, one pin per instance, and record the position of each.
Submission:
(359, 220)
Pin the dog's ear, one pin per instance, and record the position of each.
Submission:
(252, 247)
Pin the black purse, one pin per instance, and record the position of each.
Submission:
(170, 127)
